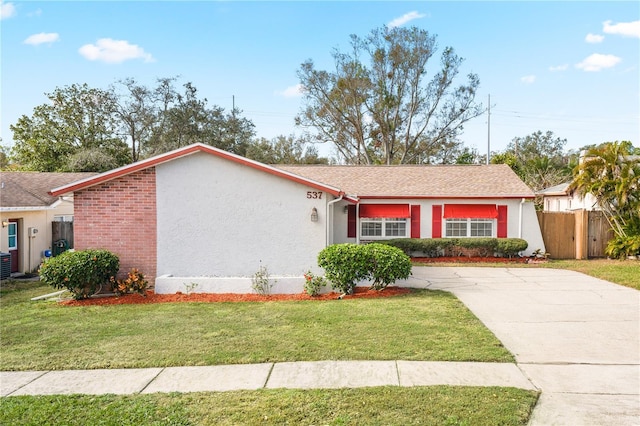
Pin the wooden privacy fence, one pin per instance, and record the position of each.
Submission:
(579, 234)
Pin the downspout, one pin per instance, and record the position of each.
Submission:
(520, 219)
(358, 223)
(330, 218)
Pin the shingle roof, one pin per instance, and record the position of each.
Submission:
(419, 181)
(30, 189)
(560, 189)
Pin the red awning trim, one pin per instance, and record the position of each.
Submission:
(384, 210)
(470, 211)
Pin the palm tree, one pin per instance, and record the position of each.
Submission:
(611, 173)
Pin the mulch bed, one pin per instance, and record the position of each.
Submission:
(151, 297)
(360, 292)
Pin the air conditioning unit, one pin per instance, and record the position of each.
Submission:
(32, 231)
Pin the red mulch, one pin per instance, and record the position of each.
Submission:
(360, 292)
(151, 297)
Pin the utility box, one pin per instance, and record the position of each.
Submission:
(5, 266)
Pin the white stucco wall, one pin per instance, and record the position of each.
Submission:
(217, 218)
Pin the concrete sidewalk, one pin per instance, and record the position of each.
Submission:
(293, 375)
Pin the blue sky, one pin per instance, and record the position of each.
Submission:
(571, 67)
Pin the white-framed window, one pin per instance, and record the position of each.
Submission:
(469, 227)
(383, 227)
(12, 236)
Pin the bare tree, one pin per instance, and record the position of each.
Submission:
(388, 111)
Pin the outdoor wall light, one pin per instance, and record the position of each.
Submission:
(314, 215)
(346, 210)
(5, 223)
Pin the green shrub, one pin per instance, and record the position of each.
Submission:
(622, 246)
(509, 247)
(83, 272)
(388, 265)
(347, 264)
(344, 265)
(436, 247)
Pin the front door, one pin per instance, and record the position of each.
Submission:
(13, 245)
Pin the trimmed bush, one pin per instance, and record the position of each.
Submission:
(347, 264)
(83, 273)
(437, 247)
(388, 265)
(510, 247)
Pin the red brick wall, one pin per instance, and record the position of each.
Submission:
(120, 216)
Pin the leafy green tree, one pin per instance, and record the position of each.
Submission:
(379, 107)
(284, 150)
(76, 118)
(538, 159)
(611, 173)
(183, 119)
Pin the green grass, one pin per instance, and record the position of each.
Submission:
(435, 405)
(424, 325)
(623, 272)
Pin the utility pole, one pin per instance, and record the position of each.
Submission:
(489, 130)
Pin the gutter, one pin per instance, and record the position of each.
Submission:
(520, 218)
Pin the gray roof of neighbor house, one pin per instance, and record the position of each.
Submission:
(31, 189)
(561, 189)
(419, 181)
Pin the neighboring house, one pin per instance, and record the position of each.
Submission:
(27, 210)
(205, 220)
(559, 199)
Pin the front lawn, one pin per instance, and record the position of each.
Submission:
(424, 325)
(434, 405)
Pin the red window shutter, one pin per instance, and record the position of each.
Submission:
(384, 210)
(415, 221)
(436, 221)
(351, 221)
(502, 221)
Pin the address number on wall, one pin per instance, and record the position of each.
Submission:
(316, 195)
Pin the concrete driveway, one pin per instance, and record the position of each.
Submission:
(577, 338)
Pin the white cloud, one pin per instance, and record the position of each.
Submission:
(292, 91)
(626, 29)
(562, 67)
(598, 62)
(42, 38)
(594, 38)
(407, 17)
(7, 10)
(528, 79)
(113, 51)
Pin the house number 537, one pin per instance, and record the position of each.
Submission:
(316, 195)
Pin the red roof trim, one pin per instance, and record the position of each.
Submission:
(182, 152)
